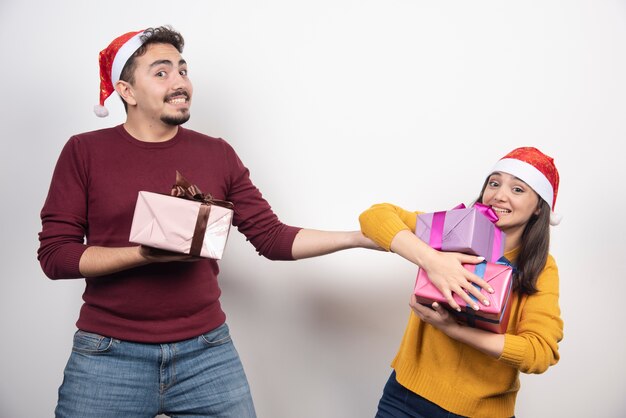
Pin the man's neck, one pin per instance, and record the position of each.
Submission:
(150, 131)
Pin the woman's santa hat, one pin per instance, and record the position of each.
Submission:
(535, 169)
(112, 61)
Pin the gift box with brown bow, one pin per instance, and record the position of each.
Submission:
(188, 221)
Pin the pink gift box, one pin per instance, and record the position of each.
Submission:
(169, 223)
(495, 317)
(465, 230)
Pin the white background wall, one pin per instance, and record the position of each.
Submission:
(335, 105)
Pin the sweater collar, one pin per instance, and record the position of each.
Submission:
(152, 145)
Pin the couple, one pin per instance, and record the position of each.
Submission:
(152, 337)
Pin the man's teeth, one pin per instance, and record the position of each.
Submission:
(178, 100)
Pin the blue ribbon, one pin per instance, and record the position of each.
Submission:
(480, 272)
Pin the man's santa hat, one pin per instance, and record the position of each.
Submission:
(535, 169)
(112, 61)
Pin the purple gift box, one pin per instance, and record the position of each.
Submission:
(466, 230)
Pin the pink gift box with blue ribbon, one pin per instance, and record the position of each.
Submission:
(465, 230)
(495, 317)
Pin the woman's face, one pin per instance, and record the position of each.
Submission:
(513, 201)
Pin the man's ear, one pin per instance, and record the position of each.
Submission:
(126, 92)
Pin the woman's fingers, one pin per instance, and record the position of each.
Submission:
(471, 277)
(447, 293)
(462, 293)
(464, 290)
(472, 259)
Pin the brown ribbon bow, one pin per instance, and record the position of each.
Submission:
(184, 189)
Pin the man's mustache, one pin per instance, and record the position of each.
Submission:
(177, 93)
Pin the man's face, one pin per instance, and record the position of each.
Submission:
(162, 89)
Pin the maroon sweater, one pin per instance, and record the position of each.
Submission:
(92, 195)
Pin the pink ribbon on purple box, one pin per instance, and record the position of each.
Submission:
(436, 228)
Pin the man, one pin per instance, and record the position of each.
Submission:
(152, 336)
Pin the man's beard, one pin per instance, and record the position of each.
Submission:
(180, 118)
(175, 120)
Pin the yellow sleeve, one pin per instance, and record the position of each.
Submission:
(535, 345)
(383, 221)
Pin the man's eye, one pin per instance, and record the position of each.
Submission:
(161, 74)
(183, 73)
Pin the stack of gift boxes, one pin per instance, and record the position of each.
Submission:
(470, 231)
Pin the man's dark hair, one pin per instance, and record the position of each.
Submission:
(160, 35)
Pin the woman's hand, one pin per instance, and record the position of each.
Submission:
(446, 272)
(438, 317)
(444, 269)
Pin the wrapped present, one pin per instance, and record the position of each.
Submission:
(495, 317)
(187, 222)
(465, 230)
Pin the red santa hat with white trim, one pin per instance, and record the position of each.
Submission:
(112, 60)
(535, 169)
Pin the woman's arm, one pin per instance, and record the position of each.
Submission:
(484, 341)
(535, 344)
(391, 227)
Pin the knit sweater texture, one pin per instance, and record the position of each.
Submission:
(91, 202)
(454, 375)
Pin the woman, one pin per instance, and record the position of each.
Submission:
(447, 369)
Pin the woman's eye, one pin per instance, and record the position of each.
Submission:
(518, 190)
(493, 183)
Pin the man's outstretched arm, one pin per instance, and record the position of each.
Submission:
(313, 243)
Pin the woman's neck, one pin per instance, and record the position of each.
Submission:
(512, 239)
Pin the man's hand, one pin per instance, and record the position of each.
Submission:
(100, 261)
(155, 255)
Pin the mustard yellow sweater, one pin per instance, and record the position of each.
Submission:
(454, 375)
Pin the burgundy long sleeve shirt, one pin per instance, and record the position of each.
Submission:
(91, 201)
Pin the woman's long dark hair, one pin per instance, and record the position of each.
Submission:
(534, 247)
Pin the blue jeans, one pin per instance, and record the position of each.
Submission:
(399, 402)
(199, 377)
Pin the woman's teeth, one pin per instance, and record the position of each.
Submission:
(500, 210)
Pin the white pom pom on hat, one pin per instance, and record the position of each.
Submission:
(537, 170)
(112, 60)
(555, 218)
